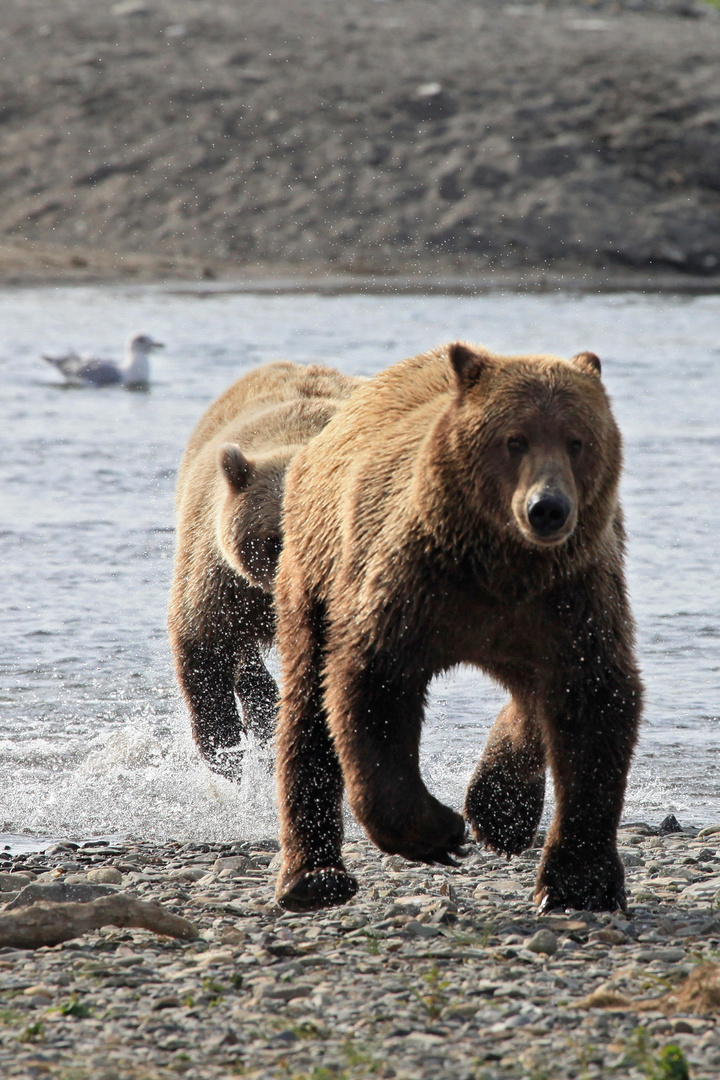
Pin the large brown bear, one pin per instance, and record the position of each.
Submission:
(229, 494)
(462, 507)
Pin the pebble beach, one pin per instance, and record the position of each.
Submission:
(430, 972)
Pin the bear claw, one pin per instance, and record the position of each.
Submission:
(311, 890)
(612, 900)
(449, 858)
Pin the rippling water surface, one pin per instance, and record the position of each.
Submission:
(93, 736)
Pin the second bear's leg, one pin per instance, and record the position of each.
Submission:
(505, 797)
(206, 674)
(375, 717)
(310, 783)
(258, 694)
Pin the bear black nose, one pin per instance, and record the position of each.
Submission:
(547, 513)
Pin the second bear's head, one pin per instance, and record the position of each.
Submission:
(249, 528)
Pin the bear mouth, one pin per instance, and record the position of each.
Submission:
(548, 538)
(547, 541)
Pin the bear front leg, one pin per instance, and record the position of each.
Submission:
(592, 720)
(375, 716)
(206, 674)
(258, 694)
(504, 800)
(310, 783)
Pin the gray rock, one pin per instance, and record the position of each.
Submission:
(57, 892)
(421, 930)
(13, 882)
(544, 941)
(104, 875)
(671, 955)
(236, 863)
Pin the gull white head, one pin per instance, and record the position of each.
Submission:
(136, 369)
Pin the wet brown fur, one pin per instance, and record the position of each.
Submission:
(408, 551)
(229, 493)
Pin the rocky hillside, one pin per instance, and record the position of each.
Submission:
(439, 136)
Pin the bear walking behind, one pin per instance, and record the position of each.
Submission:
(229, 494)
(462, 507)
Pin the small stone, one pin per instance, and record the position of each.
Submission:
(665, 956)
(39, 991)
(235, 863)
(105, 875)
(631, 858)
(445, 915)
(125, 8)
(462, 1010)
(289, 991)
(431, 89)
(420, 930)
(168, 1001)
(285, 1038)
(216, 956)
(543, 941)
(233, 937)
(608, 936)
(186, 873)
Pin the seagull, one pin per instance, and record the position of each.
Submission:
(134, 371)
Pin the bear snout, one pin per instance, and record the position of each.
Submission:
(548, 513)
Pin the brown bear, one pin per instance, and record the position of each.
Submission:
(462, 507)
(229, 494)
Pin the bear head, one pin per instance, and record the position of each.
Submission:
(535, 440)
(249, 529)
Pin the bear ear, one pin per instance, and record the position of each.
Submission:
(587, 362)
(468, 363)
(236, 467)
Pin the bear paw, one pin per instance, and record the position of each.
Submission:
(595, 885)
(432, 837)
(226, 761)
(311, 890)
(504, 817)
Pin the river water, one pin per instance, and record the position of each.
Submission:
(93, 736)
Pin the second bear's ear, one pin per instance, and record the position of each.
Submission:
(236, 467)
(467, 362)
(587, 362)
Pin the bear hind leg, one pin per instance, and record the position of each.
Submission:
(258, 694)
(505, 797)
(206, 675)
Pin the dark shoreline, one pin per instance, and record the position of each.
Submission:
(268, 283)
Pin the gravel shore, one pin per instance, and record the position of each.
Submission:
(431, 972)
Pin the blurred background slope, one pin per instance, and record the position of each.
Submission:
(200, 137)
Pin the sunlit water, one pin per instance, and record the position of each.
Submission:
(94, 738)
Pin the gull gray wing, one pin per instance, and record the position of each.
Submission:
(82, 369)
(98, 372)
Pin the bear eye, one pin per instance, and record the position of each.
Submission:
(575, 446)
(517, 444)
